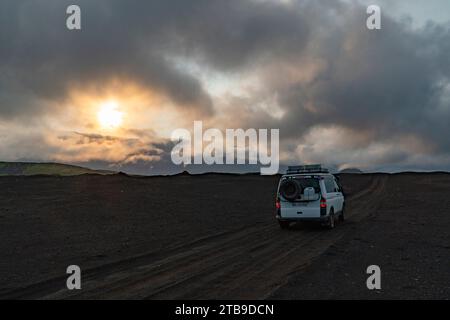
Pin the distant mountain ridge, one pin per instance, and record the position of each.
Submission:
(351, 170)
(37, 168)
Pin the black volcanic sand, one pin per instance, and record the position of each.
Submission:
(408, 238)
(49, 223)
(214, 236)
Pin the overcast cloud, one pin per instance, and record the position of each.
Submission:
(339, 93)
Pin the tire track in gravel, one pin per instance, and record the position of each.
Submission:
(246, 263)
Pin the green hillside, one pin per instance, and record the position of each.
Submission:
(58, 169)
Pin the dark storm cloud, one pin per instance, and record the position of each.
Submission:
(232, 34)
(43, 58)
(381, 84)
(388, 82)
(40, 58)
(378, 77)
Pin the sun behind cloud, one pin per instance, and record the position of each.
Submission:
(109, 116)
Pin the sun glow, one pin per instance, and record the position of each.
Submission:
(109, 115)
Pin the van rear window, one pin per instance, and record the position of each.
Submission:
(309, 182)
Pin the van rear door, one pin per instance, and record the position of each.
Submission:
(306, 205)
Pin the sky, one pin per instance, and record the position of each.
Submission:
(109, 96)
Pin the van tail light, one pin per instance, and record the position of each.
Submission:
(323, 202)
(278, 204)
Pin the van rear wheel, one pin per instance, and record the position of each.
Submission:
(341, 216)
(284, 224)
(331, 221)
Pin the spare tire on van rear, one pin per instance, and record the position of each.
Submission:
(290, 189)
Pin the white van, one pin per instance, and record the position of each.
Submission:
(309, 193)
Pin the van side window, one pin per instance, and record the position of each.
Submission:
(329, 185)
(336, 186)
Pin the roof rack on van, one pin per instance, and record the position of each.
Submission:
(313, 168)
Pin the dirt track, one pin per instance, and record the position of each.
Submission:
(212, 245)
